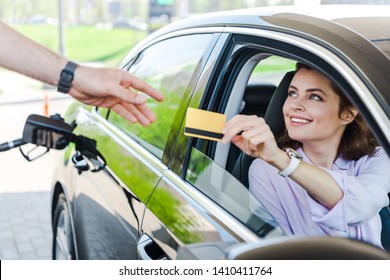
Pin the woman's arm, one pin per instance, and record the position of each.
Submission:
(316, 181)
(257, 140)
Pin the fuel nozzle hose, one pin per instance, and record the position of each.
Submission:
(11, 144)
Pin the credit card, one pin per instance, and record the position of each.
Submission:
(204, 124)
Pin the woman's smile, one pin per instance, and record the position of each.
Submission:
(299, 121)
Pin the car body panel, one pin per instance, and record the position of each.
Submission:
(178, 200)
(111, 198)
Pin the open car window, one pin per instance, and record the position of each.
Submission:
(223, 188)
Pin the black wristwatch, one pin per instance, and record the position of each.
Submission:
(66, 77)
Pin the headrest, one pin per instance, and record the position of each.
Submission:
(274, 114)
(274, 118)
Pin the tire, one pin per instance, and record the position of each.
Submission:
(63, 246)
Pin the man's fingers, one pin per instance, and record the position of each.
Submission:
(115, 89)
(129, 96)
(123, 112)
(134, 114)
(141, 112)
(131, 81)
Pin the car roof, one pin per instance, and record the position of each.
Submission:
(370, 21)
(359, 34)
(347, 29)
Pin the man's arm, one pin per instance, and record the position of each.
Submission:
(21, 54)
(104, 87)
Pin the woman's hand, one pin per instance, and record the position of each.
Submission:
(253, 136)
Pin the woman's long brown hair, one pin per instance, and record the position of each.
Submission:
(357, 139)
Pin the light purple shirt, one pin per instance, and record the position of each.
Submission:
(365, 184)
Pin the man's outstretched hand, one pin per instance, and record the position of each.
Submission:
(115, 89)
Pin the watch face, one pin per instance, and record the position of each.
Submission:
(292, 153)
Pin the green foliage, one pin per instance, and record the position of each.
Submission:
(141, 180)
(46, 35)
(275, 63)
(175, 215)
(86, 43)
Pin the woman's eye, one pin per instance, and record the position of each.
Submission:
(315, 97)
(292, 93)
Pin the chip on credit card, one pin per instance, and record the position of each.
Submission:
(204, 124)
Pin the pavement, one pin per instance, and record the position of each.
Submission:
(25, 226)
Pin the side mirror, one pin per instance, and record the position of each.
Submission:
(52, 133)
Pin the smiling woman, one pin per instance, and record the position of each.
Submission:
(350, 132)
(337, 166)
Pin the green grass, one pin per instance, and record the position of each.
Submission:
(86, 43)
(275, 63)
(109, 46)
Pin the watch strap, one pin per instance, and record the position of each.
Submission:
(294, 162)
(66, 77)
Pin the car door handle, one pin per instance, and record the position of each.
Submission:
(80, 162)
(149, 250)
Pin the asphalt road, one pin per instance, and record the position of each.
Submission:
(25, 226)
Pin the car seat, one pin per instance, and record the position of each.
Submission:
(256, 99)
(274, 118)
(385, 217)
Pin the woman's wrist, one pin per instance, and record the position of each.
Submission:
(281, 160)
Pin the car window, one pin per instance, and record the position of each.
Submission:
(211, 164)
(168, 66)
(223, 188)
(271, 70)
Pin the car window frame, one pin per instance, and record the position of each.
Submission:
(179, 115)
(328, 63)
(322, 59)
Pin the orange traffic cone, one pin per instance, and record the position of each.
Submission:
(46, 106)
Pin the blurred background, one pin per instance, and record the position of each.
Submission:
(104, 30)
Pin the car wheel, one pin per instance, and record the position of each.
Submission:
(63, 247)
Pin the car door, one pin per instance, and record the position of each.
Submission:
(199, 210)
(106, 212)
(109, 204)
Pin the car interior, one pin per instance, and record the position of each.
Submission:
(256, 99)
(272, 117)
(267, 101)
(385, 216)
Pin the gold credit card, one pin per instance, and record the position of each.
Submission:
(204, 124)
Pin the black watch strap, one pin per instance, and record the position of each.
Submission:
(66, 77)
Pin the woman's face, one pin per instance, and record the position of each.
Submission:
(311, 110)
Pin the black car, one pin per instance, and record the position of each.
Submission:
(159, 194)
